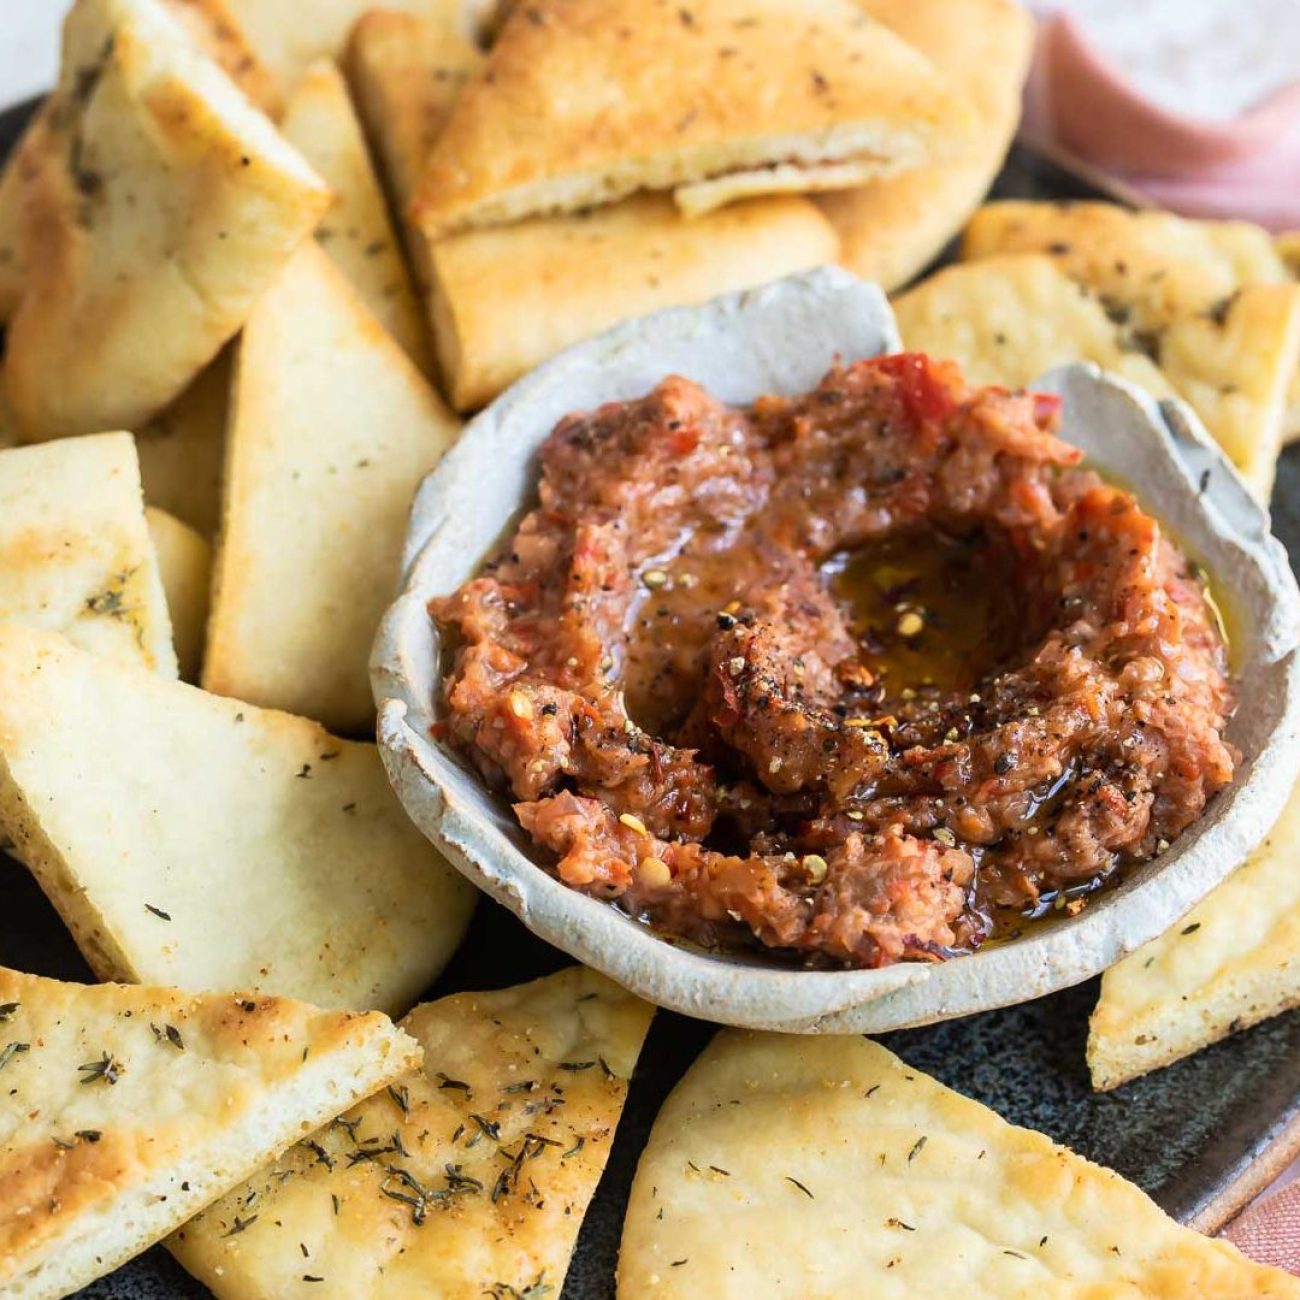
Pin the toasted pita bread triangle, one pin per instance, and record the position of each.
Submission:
(14, 176)
(825, 1166)
(332, 429)
(1153, 265)
(8, 433)
(191, 840)
(492, 1152)
(357, 232)
(185, 566)
(506, 299)
(891, 228)
(582, 102)
(161, 206)
(125, 1110)
(1231, 962)
(290, 37)
(183, 448)
(1007, 317)
(75, 552)
(211, 26)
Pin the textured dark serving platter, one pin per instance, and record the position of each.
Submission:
(1202, 1137)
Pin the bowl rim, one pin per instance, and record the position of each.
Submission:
(439, 790)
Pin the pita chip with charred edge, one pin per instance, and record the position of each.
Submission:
(1151, 268)
(1006, 316)
(185, 566)
(192, 840)
(793, 1167)
(891, 228)
(182, 448)
(1231, 962)
(162, 204)
(289, 35)
(124, 1110)
(357, 232)
(468, 1177)
(505, 299)
(332, 429)
(15, 174)
(583, 102)
(75, 552)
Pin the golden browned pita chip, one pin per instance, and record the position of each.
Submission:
(505, 299)
(8, 433)
(185, 565)
(406, 72)
(1231, 962)
(291, 35)
(357, 232)
(583, 102)
(1288, 249)
(469, 1177)
(125, 1110)
(332, 429)
(75, 552)
(1007, 317)
(211, 25)
(891, 228)
(792, 1168)
(1151, 265)
(192, 840)
(182, 449)
(15, 174)
(162, 204)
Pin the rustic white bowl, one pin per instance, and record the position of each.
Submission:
(782, 339)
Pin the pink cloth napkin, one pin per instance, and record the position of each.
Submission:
(1269, 1230)
(1080, 104)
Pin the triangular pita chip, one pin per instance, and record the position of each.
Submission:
(891, 228)
(182, 449)
(14, 175)
(1006, 320)
(1007, 317)
(585, 101)
(1153, 266)
(185, 565)
(212, 28)
(332, 429)
(161, 207)
(406, 72)
(357, 232)
(1231, 962)
(187, 839)
(466, 1178)
(125, 1110)
(506, 299)
(75, 552)
(824, 1166)
(290, 35)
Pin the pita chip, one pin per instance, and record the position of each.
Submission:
(506, 299)
(357, 232)
(1288, 247)
(185, 565)
(582, 102)
(15, 174)
(890, 229)
(406, 72)
(75, 552)
(290, 36)
(162, 204)
(491, 1154)
(182, 449)
(1158, 270)
(787, 1166)
(1231, 962)
(125, 1110)
(8, 433)
(191, 840)
(1007, 317)
(332, 429)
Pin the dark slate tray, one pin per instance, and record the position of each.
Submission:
(1202, 1137)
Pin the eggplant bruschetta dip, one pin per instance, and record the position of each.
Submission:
(866, 674)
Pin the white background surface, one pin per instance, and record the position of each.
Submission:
(29, 47)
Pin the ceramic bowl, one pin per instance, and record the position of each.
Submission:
(782, 338)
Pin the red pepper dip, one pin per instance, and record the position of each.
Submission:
(859, 674)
